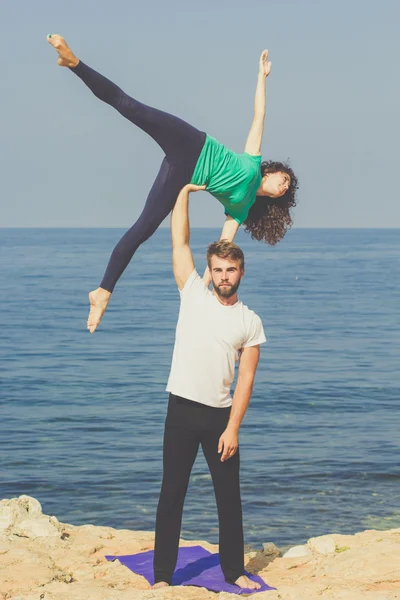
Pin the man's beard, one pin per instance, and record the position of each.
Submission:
(226, 291)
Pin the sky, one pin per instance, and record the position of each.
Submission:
(69, 160)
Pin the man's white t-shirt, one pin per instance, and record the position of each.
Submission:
(209, 336)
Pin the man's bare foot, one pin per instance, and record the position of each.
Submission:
(245, 582)
(160, 584)
(99, 300)
(66, 58)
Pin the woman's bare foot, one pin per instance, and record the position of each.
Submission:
(245, 582)
(99, 300)
(66, 58)
(160, 584)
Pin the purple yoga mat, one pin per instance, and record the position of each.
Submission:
(195, 566)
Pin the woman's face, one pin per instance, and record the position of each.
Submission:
(274, 185)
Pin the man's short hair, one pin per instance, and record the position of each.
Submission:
(225, 249)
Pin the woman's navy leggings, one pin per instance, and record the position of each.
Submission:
(182, 145)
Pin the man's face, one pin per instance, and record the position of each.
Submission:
(225, 276)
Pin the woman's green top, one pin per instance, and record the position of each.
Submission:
(231, 178)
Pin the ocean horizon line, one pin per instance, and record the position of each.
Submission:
(17, 227)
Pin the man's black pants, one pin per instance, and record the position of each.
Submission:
(189, 424)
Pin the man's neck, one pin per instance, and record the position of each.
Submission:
(226, 301)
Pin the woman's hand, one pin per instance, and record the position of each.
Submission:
(265, 66)
(207, 277)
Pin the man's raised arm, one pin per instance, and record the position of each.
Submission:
(182, 258)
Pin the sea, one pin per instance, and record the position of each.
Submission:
(82, 415)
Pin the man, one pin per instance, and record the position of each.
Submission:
(213, 330)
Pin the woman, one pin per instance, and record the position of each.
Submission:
(259, 195)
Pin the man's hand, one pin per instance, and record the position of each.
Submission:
(228, 443)
(265, 66)
(191, 187)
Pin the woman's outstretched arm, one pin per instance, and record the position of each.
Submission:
(229, 229)
(254, 139)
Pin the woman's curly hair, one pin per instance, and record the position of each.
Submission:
(269, 218)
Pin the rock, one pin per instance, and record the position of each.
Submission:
(6, 518)
(58, 561)
(4, 548)
(270, 549)
(297, 551)
(31, 505)
(14, 511)
(323, 544)
(33, 528)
